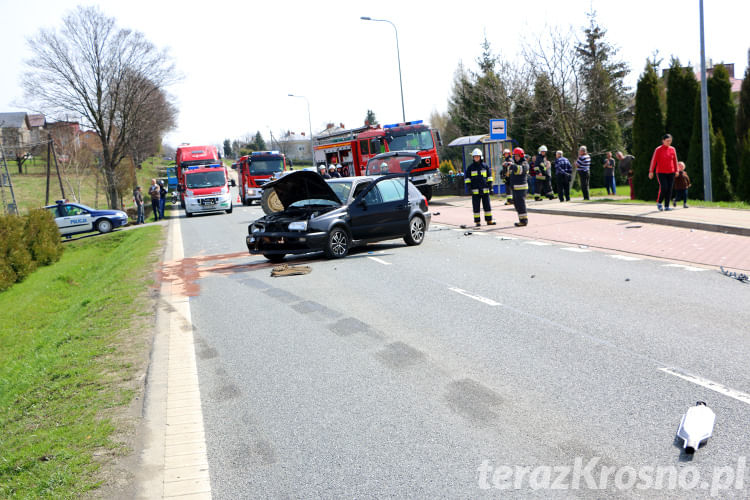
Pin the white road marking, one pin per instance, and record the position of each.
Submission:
(624, 257)
(537, 243)
(479, 298)
(380, 261)
(576, 249)
(686, 268)
(709, 384)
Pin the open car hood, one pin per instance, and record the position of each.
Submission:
(302, 185)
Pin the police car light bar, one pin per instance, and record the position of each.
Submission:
(393, 125)
(265, 153)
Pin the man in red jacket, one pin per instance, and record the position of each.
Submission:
(664, 162)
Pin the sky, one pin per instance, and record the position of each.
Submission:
(239, 60)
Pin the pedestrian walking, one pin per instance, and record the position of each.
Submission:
(625, 166)
(664, 163)
(138, 199)
(609, 174)
(479, 178)
(519, 171)
(681, 185)
(153, 192)
(162, 199)
(563, 171)
(583, 165)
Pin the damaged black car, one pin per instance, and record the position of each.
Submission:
(334, 216)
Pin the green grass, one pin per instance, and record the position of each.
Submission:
(691, 203)
(68, 338)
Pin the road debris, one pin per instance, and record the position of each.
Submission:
(632, 227)
(744, 278)
(435, 213)
(287, 270)
(697, 426)
(468, 233)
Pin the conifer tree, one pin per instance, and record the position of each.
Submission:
(743, 138)
(723, 115)
(682, 89)
(721, 187)
(648, 129)
(694, 163)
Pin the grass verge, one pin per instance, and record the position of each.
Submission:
(69, 337)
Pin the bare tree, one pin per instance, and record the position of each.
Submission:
(159, 118)
(555, 56)
(105, 74)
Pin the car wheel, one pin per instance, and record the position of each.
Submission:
(188, 214)
(274, 257)
(337, 245)
(270, 202)
(104, 226)
(415, 236)
(230, 210)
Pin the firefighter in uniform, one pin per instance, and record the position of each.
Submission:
(519, 171)
(479, 177)
(542, 183)
(504, 173)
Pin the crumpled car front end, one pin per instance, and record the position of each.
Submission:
(288, 232)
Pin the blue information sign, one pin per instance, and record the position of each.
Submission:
(498, 129)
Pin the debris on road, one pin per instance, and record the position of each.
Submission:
(435, 213)
(463, 226)
(287, 270)
(635, 227)
(744, 278)
(468, 233)
(697, 426)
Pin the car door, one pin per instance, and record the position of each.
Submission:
(384, 212)
(74, 219)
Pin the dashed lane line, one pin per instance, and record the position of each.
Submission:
(381, 261)
(478, 298)
(709, 384)
(626, 258)
(686, 268)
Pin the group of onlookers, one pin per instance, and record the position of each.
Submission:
(158, 194)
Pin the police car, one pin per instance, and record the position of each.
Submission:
(75, 218)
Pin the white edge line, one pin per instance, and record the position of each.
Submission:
(574, 249)
(624, 257)
(686, 268)
(380, 260)
(709, 384)
(537, 243)
(479, 298)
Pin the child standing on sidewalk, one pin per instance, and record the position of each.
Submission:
(681, 185)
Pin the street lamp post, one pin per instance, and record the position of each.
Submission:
(398, 55)
(706, 141)
(309, 122)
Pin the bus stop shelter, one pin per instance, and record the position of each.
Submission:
(493, 154)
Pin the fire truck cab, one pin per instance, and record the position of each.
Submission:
(256, 169)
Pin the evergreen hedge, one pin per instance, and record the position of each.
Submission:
(25, 243)
(648, 129)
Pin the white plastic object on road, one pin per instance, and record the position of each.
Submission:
(697, 426)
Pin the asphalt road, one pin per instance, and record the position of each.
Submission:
(465, 365)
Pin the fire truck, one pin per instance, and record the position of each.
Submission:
(256, 169)
(354, 147)
(192, 156)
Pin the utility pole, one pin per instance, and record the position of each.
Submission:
(706, 140)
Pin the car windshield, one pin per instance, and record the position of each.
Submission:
(205, 179)
(342, 190)
(193, 163)
(265, 167)
(391, 165)
(420, 140)
(313, 202)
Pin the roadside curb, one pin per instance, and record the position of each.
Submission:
(705, 226)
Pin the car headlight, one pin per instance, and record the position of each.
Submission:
(300, 225)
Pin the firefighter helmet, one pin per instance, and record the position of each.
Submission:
(543, 148)
(519, 152)
(477, 152)
(506, 151)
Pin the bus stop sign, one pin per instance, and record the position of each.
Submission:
(498, 129)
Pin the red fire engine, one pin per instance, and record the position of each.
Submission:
(192, 156)
(256, 169)
(354, 147)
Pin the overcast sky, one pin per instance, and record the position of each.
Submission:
(240, 59)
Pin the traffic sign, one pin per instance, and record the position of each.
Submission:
(498, 129)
